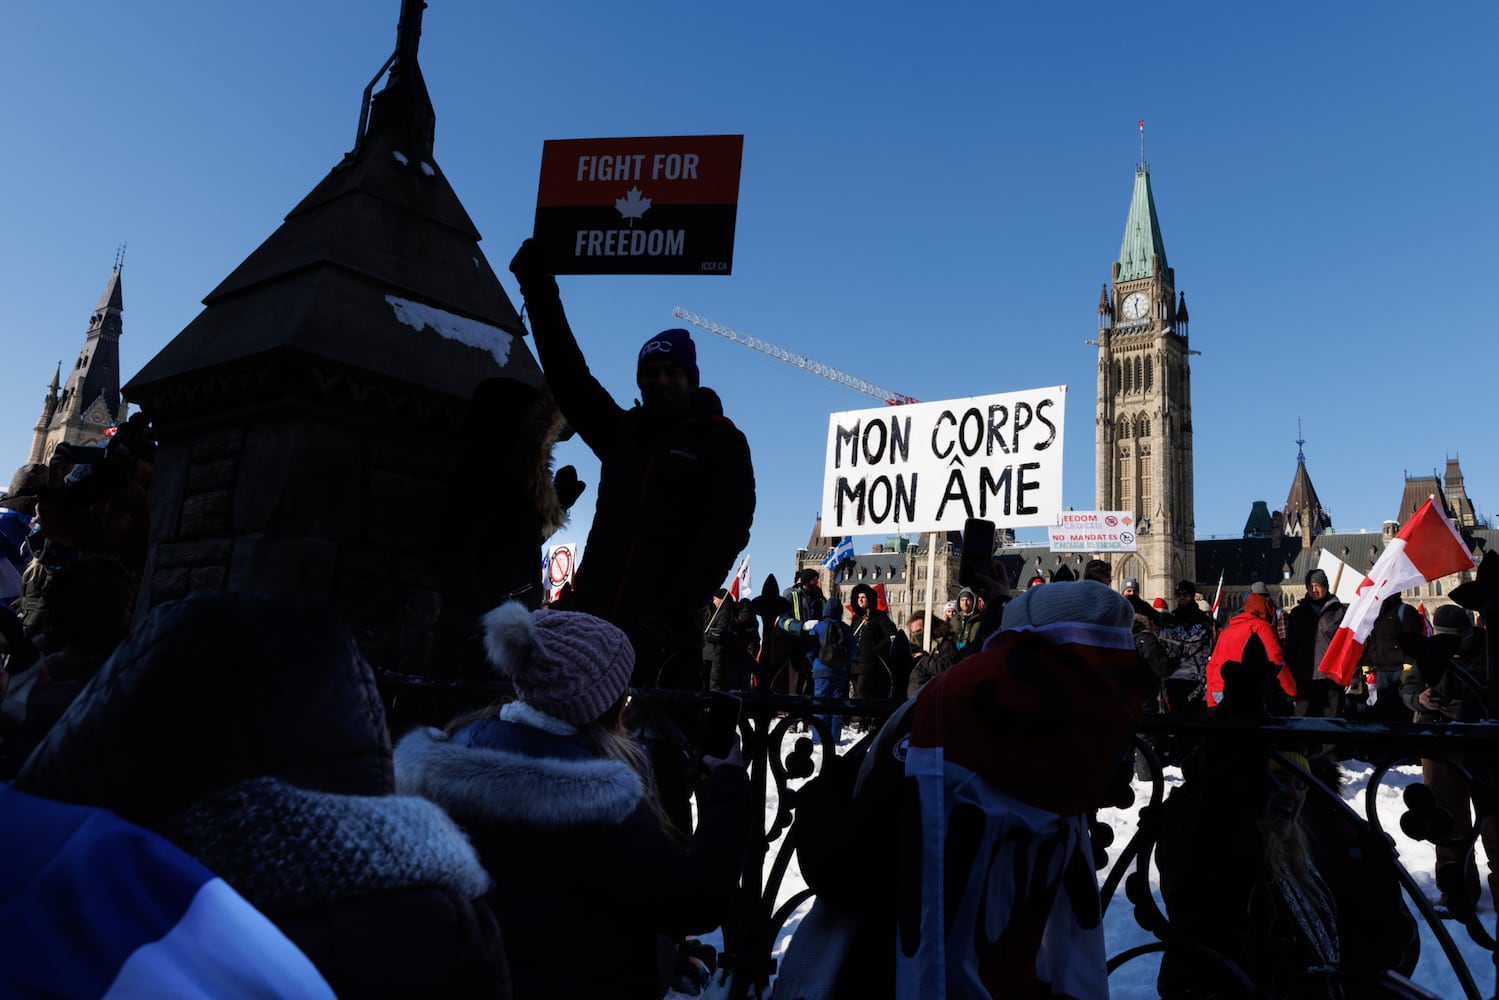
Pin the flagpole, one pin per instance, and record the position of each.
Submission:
(1217, 596)
(713, 619)
(931, 559)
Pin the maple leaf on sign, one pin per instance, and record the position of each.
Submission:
(632, 205)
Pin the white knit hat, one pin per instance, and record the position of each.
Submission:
(1080, 601)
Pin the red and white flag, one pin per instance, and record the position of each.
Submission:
(1426, 547)
(741, 582)
(1217, 596)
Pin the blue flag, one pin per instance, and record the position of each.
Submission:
(842, 552)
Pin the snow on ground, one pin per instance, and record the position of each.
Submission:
(1136, 979)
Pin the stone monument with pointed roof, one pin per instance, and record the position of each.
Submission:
(303, 415)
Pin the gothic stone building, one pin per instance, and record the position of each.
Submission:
(88, 404)
(1143, 465)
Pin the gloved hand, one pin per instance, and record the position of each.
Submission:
(568, 486)
(530, 268)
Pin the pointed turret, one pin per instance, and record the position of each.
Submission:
(1259, 523)
(1303, 515)
(1142, 254)
(97, 374)
(39, 451)
(1457, 495)
(89, 401)
(113, 299)
(1181, 315)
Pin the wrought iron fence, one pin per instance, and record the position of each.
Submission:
(778, 731)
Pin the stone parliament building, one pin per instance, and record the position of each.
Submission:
(1143, 464)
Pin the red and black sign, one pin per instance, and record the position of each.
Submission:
(662, 205)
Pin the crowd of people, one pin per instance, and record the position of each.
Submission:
(1268, 892)
(231, 750)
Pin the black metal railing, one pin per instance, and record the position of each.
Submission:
(773, 760)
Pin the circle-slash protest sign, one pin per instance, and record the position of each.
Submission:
(560, 566)
(1093, 531)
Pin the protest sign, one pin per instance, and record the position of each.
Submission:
(931, 466)
(1342, 579)
(557, 568)
(1093, 531)
(660, 205)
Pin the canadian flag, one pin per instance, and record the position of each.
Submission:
(741, 583)
(1426, 547)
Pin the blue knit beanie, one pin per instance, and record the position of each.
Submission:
(675, 346)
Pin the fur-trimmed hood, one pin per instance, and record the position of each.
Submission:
(286, 848)
(519, 773)
(868, 592)
(543, 424)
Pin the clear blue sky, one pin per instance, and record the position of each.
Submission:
(930, 200)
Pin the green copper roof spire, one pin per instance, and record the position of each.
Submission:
(1142, 233)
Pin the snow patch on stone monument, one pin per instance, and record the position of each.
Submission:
(419, 316)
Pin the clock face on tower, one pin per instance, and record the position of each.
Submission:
(1135, 304)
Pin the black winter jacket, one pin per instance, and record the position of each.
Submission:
(730, 644)
(873, 632)
(1382, 650)
(1450, 688)
(1310, 628)
(662, 484)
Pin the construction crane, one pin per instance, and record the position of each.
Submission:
(828, 372)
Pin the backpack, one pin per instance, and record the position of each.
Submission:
(834, 649)
(1189, 647)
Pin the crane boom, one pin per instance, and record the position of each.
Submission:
(890, 396)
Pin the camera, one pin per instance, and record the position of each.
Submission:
(978, 551)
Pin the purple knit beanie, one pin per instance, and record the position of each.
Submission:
(675, 346)
(567, 664)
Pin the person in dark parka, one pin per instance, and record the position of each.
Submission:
(1385, 662)
(673, 472)
(871, 672)
(730, 643)
(588, 880)
(1310, 627)
(248, 730)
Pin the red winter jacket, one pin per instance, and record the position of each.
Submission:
(1255, 619)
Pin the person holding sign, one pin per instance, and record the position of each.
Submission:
(674, 473)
